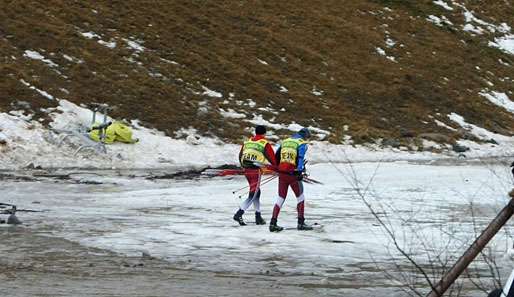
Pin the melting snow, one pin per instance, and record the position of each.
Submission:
(441, 124)
(110, 44)
(231, 114)
(500, 99)
(390, 43)
(471, 18)
(259, 120)
(316, 92)
(382, 52)
(443, 4)
(477, 131)
(439, 21)
(251, 103)
(134, 45)
(43, 93)
(505, 43)
(473, 29)
(262, 62)
(169, 61)
(211, 93)
(67, 57)
(268, 109)
(92, 35)
(294, 127)
(34, 55)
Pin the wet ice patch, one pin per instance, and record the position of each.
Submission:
(177, 220)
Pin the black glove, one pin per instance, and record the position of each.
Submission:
(298, 174)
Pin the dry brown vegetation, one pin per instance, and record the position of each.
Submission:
(328, 45)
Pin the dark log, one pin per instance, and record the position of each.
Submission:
(478, 245)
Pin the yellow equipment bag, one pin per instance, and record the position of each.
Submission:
(117, 131)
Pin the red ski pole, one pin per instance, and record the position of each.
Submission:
(265, 181)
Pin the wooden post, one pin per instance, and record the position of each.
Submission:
(478, 245)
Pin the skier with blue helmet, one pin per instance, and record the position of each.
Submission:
(291, 159)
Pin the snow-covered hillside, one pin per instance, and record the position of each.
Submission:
(360, 70)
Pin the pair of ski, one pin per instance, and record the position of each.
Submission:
(316, 227)
(6, 208)
(266, 169)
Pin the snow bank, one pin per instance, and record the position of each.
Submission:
(479, 132)
(497, 145)
(31, 143)
(28, 143)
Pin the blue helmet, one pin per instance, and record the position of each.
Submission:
(304, 133)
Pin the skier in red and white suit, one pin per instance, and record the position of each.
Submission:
(291, 158)
(254, 153)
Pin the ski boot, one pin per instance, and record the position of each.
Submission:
(238, 217)
(258, 219)
(302, 225)
(13, 220)
(273, 227)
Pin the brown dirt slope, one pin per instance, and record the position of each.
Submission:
(253, 50)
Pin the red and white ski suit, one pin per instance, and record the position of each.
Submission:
(253, 175)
